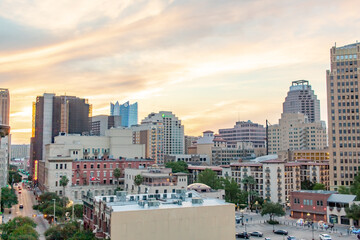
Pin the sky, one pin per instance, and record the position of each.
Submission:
(210, 62)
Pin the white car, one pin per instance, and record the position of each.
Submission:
(324, 237)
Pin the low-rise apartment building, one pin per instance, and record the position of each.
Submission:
(178, 216)
(156, 180)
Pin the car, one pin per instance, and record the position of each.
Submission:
(244, 235)
(267, 239)
(281, 232)
(291, 238)
(238, 219)
(324, 236)
(256, 234)
(21, 206)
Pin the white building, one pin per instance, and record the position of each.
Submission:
(295, 132)
(200, 159)
(155, 180)
(173, 136)
(20, 151)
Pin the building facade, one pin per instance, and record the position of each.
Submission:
(295, 132)
(173, 131)
(101, 123)
(156, 180)
(54, 115)
(4, 106)
(343, 114)
(20, 151)
(245, 132)
(302, 99)
(128, 113)
(195, 159)
(178, 216)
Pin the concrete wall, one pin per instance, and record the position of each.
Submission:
(193, 223)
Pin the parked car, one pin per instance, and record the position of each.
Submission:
(281, 232)
(244, 235)
(291, 238)
(21, 206)
(267, 239)
(256, 234)
(238, 219)
(324, 236)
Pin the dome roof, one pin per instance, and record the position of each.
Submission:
(198, 186)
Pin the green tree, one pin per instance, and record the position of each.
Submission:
(14, 177)
(319, 186)
(307, 185)
(353, 212)
(78, 210)
(138, 181)
(10, 227)
(210, 178)
(64, 182)
(83, 235)
(25, 232)
(248, 182)
(273, 209)
(355, 186)
(8, 198)
(176, 167)
(344, 190)
(117, 175)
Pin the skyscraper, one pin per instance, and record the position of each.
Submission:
(302, 99)
(127, 111)
(4, 106)
(343, 114)
(173, 131)
(55, 115)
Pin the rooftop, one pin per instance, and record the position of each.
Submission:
(316, 191)
(341, 198)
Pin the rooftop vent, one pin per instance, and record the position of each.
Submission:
(153, 203)
(197, 200)
(121, 196)
(141, 203)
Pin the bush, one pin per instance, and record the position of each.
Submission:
(272, 222)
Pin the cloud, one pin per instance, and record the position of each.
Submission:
(208, 61)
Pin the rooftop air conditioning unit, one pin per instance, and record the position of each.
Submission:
(153, 203)
(197, 200)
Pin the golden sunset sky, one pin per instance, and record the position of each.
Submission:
(211, 62)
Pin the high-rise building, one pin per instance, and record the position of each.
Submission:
(4, 106)
(56, 115)
(173, 131)
(343, 114)
(20, 151)
(152, 136)
(302, 99)
(101, 123)
(127, 111)
(245, 132)
(295, 132)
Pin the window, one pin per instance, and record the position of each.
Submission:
(57, 166)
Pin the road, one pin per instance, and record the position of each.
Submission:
(255, 222)
(27, 198)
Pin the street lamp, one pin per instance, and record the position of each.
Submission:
(54, 211)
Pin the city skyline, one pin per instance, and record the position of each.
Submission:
(210, 71)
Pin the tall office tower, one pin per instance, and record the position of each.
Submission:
(54, 115)
(4, 106)
(101, 123)
(295, 132)
(152, 136)
(127, 111)
(173, 137)
(343, 114)
(302, 99)
(245, 132)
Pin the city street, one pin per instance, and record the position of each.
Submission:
(255, 222)
(28, 200)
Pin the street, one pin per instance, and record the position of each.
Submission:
(27, 198)
(255, 222)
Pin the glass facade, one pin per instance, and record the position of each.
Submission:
(127, 111)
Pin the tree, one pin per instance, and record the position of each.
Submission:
(233, 193)
(24, 232)
(117, 175)
(68, 231)
(64, 182)
(14, 177)
(353, 212)
(78, 210)
(83, 235)
(8, 198)
(307, 185)
(210, 178)
(138, 181)
(176, 167)
(10, 227)
(344, 190)
(355, 186)
(319, 186)
(273, 209)
(249, 182)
